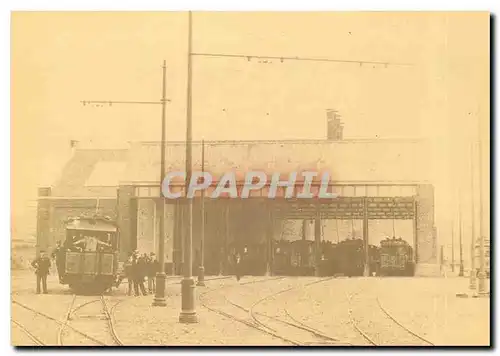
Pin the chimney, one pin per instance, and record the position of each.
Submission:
(335, 128)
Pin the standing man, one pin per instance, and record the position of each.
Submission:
(138, 273)
(42, 266)
(237, 265)
(153, 268)
(127, 269)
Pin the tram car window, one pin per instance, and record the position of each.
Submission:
(90, 258)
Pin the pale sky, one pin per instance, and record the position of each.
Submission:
(59, 59)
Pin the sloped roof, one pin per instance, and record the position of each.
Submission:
(374, 160)
(106, 174)
(97, 172)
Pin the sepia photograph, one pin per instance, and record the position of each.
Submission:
(245, 178)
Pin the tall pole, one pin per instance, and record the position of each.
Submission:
(159, 299)
(472, 277)
(461, 271)
(452, 248)
(201, 271)
(482, 273)
(188, 312)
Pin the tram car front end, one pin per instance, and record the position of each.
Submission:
(90, 255)
(396, 258)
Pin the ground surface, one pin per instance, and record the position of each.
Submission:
(258, 311)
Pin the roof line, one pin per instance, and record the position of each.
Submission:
(317, 141)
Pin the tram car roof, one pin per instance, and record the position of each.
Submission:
(91, 223)
(393, 242)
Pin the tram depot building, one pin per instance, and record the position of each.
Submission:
(383, 186)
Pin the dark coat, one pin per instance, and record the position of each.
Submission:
(153, 268)
(139, 269)
(41, 265)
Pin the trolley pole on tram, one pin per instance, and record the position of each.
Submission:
(201, 269)
(188, 311)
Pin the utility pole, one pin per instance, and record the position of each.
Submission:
(482, 273)
(188, 311)
(461, 271)
(201, 271)
(159, 299)
(472, 277)
(452, 248)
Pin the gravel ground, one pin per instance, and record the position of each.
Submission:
(427, 306)
(432, 309)
(154, 328)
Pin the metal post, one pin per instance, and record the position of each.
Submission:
(482, 272)
(201, 269)
(472, 277)
(452, 248)
(415, 231)
(188, 312)
(366, 271)
(154, 224)
(461, 271)
(159, 299)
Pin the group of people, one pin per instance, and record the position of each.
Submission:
(137, 269)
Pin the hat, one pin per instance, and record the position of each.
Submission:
(152, 254)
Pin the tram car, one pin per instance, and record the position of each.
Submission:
(253, 258)
(396, 258)
(327, 264)
(302, 258)
(349, 256)
(89, 258)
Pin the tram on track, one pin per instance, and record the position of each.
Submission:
(89, 258)
(396, 258)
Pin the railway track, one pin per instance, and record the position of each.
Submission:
(277, 327)
(30, 335)
(303, 334)
(100, 312)
(379, 328)
(84, 331)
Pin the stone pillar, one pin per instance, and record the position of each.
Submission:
(127, 220)
(427, 250)
(43, 237)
